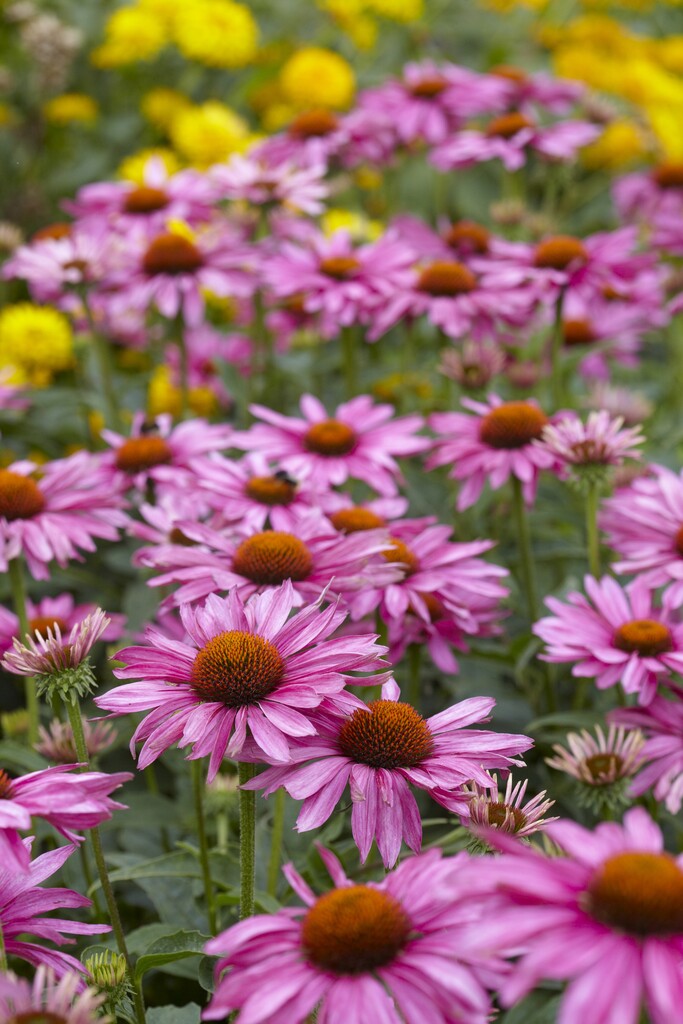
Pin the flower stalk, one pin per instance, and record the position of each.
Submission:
(198, 791)
(247, 841)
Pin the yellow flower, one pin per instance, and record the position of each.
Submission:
(165, 11)
(161, 105)
(131, 34)
(208, 133)
(36, 341)
(398, 10)
(163, 396)
(361, 228)
(670, 52)
(218, 33)
(6, 115)
(667, 125)
(133, 167)
(313, 77)
(621, 143)
(69, 107)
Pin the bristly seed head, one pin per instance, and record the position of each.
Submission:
(271, 557)
(390, 734)
(512, 425)
(236, 668)
(577, 332)
(558, 252)
(330, 437)
(5, 785)
(341, 268)
(270, 490)
(171, 254)
(313, 124)
(137, 454)
(645, 637)
(669, 174)
(506, 126)
(400, 552)
(638, 893)
(355, 520)
(429, 87)
(145, 200)
(446, 278)
(20, 497)
(466, 236)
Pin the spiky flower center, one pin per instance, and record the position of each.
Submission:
(503, 816)
(137, 454)
(237, 668)
(5, 785)
(446, 278)
(558, 252)
(330, 437)
(603, 769)
(638, 893)
(145, 200)
(171, 254)
(429, 87)
(354, 930)
(678, 541)
(20, 497)
(390, 734)
(339, 267)
(42, 623)
(400, 552)
(509, 71)
(577, 332)
(468, 236)
(313, 124)
(508, 125)
(38, 1017)
(271, 557)
(512, 425)
(646, 637)
(270, 490)
(355, 520)
(669, 174)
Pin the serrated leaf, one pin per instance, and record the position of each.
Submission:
(166, 950)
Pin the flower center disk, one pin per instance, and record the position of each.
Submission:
(509, 71)
(512, 425)
(638, 893)
(270, 490)
(558, 252)
(390, 734)
(20, 497)
(313, 124)
(428, 88)
(577, 332)
(171, 254)
(272, 557)
(468, 237)
(400, 552)
(237, 668)
(145, 200)
(354, 930)
(646, 637)
(604, 768)
(508, 125)
(355, 520)
(42, 623)
(668, 175)
(678, 541)
(140, 453)
(5, 785)
(501, 815)
(445, 279)
(330, 437)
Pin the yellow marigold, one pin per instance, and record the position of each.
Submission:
(69, 107)
(621, 143)
(36, 340)
(160, 106)
(208, 133)
(163, 396)
(133, 167)
(667, 125)
(670, 52)
(363, 31)
(398, 10)
(166, 11)
(362, 228)
(218, 33)
(314, 77)
(131, 34)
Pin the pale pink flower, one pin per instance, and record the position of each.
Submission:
(57, 742)
(558, 95)
(53, 653)
(54, 268)
(600, 441)
(489, 807)
(297, 189)
(644, 194)
(601, 760)
(50, 1000)
(50, 612)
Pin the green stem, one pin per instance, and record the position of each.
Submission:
(247, 841)
(276, 841)
(105, 370)
(593, 535)
(184, 373)
(198, 790)
(348, 341)
(414, 685)
(556, 343)
(18, 587)
(74, 712)
(525, 552)
(3, 954)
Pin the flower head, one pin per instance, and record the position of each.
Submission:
(57, 741)
(661, 756)
(602, 765)
(47, 1000)
(588, 449)
(487, 807)
(35, 341)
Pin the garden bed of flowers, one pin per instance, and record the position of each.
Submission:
(341, 512)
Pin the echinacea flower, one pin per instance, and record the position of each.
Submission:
(246, 178)
(57, 742)
(616, 635)
(661, 755)
(381, 749)
(70, 801)
(607, 918)
(52, 654)
(383, 951)
(23, 904)
(245, 670)
(600, 442)
(488, 807)
(358, 441)
(601, 764)
(491, 446)
(49, 612)
(46, 1000)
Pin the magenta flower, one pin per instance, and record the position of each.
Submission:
(51, 612)
(557, 95)
(286, 185)
(662, 753)
(50, 1000)
(49, 514)
(359, 441)
(644, 524)
(598, 442)
(387, 951)
(491, 446)
(607, 917)
(381, 749)
(54, 268)
(23, 904)
(50, 654)
(245, 670)
(641, 196)
(70, 801)
(618, 636)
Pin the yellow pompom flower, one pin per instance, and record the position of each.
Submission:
(131, 34)
(165, 11)
(71, 107)
(670, 52)
(314, 77)
(133, 167)
(36, 341)
(218, 33)
(160, 106)
(360, 227)
(164, 397)
(208, 133)
(622, 143)
(398, 10)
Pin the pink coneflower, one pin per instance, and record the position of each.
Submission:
(47, 513)
(510, 138)
(318, 136)
(47, 1000)
(557, 95)
(56, 267)
(22, 906)
(57, 742)
(359, 440)
(491, 446)
(608, 917)
(50, 654)
(662, 753)
(384, 951)
(602, 764)
(381, 749)
(473, 364)
(69, 801)
(642, 195)
(489, 807)
(312, 556)
(297, 189)
(171, 519)
(600, 441)
(341, 282)
(644, 524)
(618, 636)
(246, 670)
(50, 612)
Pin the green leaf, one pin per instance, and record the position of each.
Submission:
(174, 1014)
(170, 948)
(540, 1007)
(19, 758)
